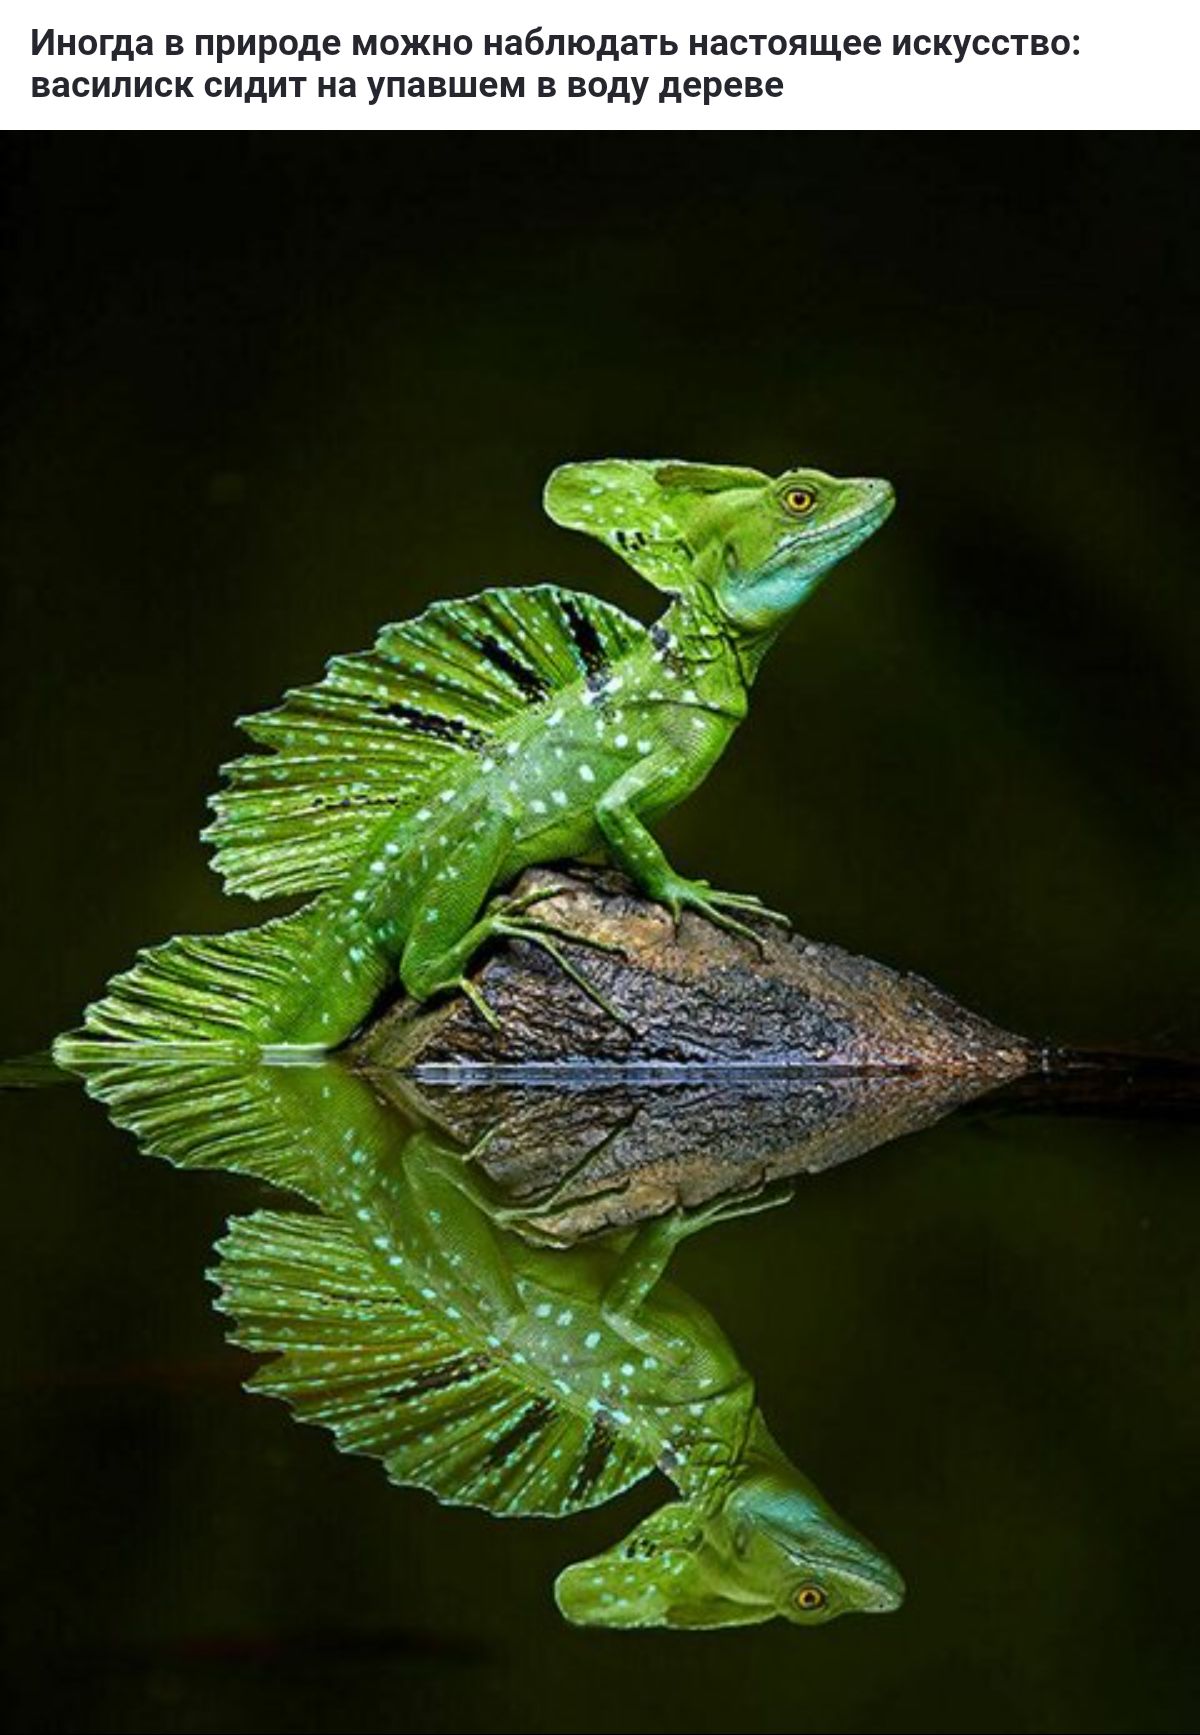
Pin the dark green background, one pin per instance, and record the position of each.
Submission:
(268, 392)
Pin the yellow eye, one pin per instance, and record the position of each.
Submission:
(809, 1598)
(798, 501)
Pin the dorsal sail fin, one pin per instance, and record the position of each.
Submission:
(386, 726)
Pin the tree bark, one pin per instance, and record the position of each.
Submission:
(693, 998)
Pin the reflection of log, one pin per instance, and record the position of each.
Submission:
(1083, 1082)
(617, 1152)
(697, 998)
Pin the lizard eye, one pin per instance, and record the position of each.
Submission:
(809, 1598)
(799, 501)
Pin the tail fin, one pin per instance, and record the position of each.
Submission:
(213, 1113)
(202, 995)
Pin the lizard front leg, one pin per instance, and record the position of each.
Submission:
(633, 848)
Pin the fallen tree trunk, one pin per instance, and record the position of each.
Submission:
(693, 998)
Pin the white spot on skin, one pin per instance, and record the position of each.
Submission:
(643, 746)
(588, 775)
(432, 915)
(538, 806)
(559, 797)
(622, 740)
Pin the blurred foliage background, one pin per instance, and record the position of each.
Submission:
(268, 392)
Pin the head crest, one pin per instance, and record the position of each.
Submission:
(643, 509)
(664, 1574)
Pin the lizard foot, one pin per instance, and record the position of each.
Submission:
(755, 906)
(679, 894)
(547, 936)
(544, 1201)
(760, 1196)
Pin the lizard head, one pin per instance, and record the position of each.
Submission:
(770, 1547)
(807, 1560)
(755, 545)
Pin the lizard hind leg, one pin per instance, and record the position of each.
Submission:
(548, 936)
(447, 930)
(425, 975)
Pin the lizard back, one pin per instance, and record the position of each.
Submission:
(386, 726)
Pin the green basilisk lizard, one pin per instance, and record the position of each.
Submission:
(488, 734)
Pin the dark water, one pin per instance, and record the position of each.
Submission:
(978, 1342)
(267, 393)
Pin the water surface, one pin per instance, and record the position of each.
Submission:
(976, 1341)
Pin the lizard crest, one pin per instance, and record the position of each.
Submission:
(754, 545)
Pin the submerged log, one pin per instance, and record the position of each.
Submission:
(692, 997)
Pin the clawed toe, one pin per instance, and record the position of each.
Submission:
(752, 905)
(717, 907)
(517, 906)
(718, 917)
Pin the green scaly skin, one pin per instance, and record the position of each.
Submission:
(583, 767)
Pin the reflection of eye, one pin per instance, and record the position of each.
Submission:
(798, 501)
(809, 1597)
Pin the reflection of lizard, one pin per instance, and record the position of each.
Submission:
(490, 733)
(493, 1372)
(527, 1380)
